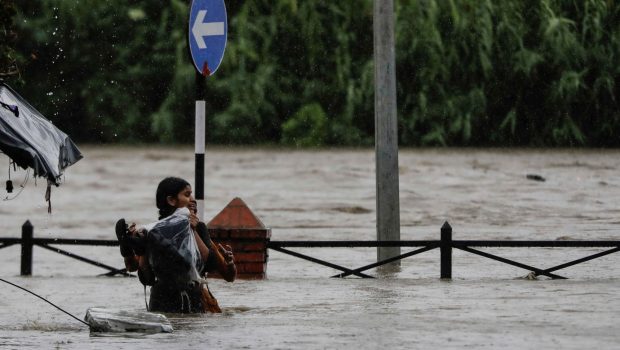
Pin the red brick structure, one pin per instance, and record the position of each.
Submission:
(238, 227)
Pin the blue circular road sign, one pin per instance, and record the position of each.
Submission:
(208, 30)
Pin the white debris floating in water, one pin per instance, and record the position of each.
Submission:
(106, 320)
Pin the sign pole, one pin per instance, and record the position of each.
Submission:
(386, 131)
(199, 146)
(207, 34)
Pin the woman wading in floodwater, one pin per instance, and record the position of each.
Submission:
(173, 254)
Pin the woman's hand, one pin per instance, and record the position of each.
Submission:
(226, 265)
(134, 231)
(193, 220)
(227, 253)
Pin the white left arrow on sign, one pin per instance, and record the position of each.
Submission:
(201, 29)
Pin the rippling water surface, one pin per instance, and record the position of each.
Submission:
(330, 195)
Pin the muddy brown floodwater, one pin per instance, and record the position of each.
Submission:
(330, 195)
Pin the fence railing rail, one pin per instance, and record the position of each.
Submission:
(27, 242)
(445, 244)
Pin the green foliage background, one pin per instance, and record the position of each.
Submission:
(8, 36)
(470, 73)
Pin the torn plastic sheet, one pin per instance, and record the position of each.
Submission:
(31, 140)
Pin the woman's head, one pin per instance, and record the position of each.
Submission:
(172, 193)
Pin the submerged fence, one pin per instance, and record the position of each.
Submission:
(445, 244)
(27, 242)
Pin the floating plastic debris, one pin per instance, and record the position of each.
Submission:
(108, 320)
(535, 177)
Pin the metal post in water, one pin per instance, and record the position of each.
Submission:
(446, 251)
(26, 263)
(199, 141)
(386, 131)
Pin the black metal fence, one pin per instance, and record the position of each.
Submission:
(445, 244)
(28, 242)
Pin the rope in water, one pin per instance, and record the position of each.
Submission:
(42, 298)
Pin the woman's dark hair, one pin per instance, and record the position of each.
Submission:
(170, 186)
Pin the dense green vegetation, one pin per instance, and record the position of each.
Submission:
(472, 73)
(8, 56)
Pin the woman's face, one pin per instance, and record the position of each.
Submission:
(183, 198)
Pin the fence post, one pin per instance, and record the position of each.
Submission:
(26, 265)
(446, 251)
